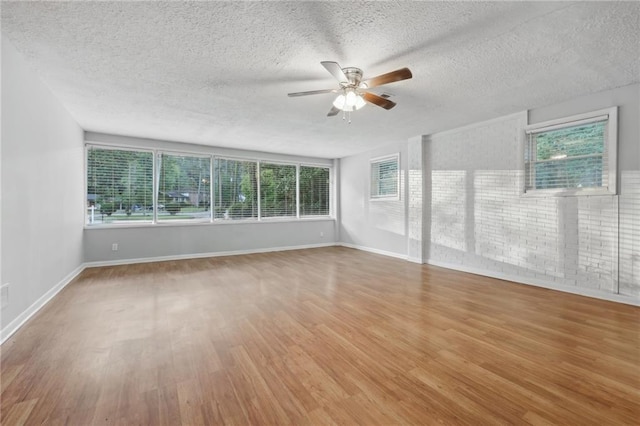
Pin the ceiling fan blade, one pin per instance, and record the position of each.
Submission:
(390, 77)
(333, 111)
(335, 71)
(378, 100)
(313, 92)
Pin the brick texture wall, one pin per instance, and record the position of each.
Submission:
(478, 220)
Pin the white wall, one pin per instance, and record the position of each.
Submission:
(477, 221)
(42, 190)
(147, 242)
(376, 225)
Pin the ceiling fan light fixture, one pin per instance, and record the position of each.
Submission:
(351, 101)
(350, 98)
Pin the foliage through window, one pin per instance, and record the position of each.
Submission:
(385, 177)
(235, 189)
(572, 156)
(277, 190)
(314, 191)
(183, 187)
(119, 185)
(126, 186)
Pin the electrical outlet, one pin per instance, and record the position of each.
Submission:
(114, 247)
(4, 295)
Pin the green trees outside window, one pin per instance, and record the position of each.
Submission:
(570, 157)
(235, 189)
(120, 188)
(183, 187)
(119, 185)
(314, 191)
(277, 190)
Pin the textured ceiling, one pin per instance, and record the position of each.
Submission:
(218, 73)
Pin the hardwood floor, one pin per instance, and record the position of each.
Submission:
(322, 336)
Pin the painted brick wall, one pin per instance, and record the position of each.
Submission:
(414, 200)
(630, 233)
(479, 221)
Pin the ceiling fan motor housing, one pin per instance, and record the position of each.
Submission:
(354, 76)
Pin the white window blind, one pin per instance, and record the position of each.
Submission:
(572, 156)
(277, 190)
(184, 187)
(384, 177)
(235, 189)
(314, 191)
(119, 185)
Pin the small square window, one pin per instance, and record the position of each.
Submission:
(572, 156)
(384, 177)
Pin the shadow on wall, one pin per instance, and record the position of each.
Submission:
(479, 219)
(630, 233)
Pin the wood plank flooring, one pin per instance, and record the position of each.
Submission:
(321, 336)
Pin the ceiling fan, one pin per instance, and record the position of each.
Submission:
(353, 92)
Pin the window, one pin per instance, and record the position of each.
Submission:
(277, 190)
(235, 189)
(184, 187)
(119, 185)
(126, 186)
(314, 191)
(575, 155)
(384, 177)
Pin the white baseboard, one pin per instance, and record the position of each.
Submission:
(14, 325)
(373, 250)
(596, 294)
(202, 255)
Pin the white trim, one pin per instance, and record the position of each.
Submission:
(535, 128)
(393, 197)
(373, 250)
(567, 192)
(608, 115)
(202, 255)
(596, 294)
(415, 260)
(19, 321)
(572, 120)
(216, 222)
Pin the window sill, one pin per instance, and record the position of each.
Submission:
(564, 192)
(219, 222)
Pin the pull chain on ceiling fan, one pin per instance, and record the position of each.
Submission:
(353, 92)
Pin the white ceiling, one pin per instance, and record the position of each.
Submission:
(218, 73)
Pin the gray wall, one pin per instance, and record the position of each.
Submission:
(139, 243)
(42, 188)
(147, 242)
(376, 225)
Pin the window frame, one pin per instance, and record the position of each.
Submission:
(88, 146)
(296, 166)
(213, 203)
(386, 197)
(156, 154)
(610, 116)
(330, 201)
